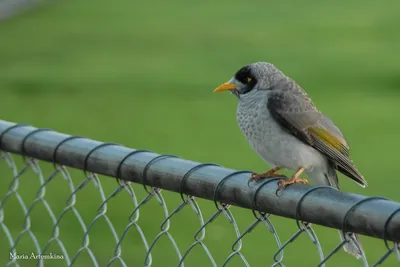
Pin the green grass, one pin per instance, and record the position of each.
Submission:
(142, 74)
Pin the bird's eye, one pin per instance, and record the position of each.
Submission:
(245, 76)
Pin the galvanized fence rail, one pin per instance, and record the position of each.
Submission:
(372, 216)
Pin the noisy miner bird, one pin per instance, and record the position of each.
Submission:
(283, 126)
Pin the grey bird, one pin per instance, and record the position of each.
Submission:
(283, 126)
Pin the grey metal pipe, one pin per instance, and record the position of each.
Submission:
(323, 206)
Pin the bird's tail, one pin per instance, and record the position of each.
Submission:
(330, 178)
(350, 247)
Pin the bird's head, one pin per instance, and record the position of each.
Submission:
(254, 77)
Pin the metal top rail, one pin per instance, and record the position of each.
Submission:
(372, 216)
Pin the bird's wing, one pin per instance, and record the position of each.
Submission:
(294, 111)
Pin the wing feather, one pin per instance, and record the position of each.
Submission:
(296, 114)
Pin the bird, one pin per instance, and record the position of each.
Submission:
(285, 128)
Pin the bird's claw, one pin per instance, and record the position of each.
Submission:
(255, 177)
(283, 183)
(259, 176)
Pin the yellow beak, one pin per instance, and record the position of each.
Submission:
(225, 86)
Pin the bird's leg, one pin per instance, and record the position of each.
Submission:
(268, 174)
(293, 180)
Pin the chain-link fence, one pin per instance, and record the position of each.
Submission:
(372, 216)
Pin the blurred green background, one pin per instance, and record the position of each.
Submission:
(141, 73)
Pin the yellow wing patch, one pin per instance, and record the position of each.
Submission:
(328, 139)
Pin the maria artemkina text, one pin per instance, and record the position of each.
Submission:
(34, 256)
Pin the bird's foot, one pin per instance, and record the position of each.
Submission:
(293, 180)
(284, 183)
(260, 176)
(268, 174)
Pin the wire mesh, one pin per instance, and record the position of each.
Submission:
(199, 236)
(141, 198)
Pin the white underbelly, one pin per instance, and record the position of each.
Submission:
(276, 146)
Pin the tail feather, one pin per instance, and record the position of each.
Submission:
(350, 247)
(355, 175)
(330, 178)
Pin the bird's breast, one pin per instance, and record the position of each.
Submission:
(260, 129)
(275, 145)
